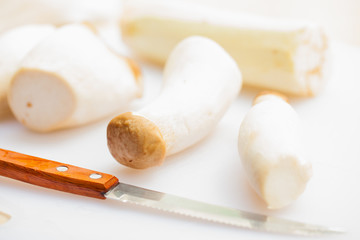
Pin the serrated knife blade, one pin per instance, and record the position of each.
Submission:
(72, 179)
(162, 201)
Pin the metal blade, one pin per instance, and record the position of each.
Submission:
(170, 203)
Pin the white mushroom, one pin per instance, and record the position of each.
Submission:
(200, 82)
(14, 45)
(273, 54)
(271, 152)
(104, 15)
(4, 217)
(14, 13)
(71, 78)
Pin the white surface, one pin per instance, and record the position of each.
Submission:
(211, 172)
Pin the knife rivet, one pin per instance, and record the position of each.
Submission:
(62, 168)
(95, 176)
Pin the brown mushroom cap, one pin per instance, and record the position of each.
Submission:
(135, 141)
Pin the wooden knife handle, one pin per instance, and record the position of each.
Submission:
(55, 175)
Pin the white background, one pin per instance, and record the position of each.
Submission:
(211, 171)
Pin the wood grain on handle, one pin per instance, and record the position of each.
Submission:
(55, 175)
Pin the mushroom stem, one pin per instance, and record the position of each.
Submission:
(275, 54)
(14, 45)
(271, 152)
(71, 78)
(4, 217)
(200, 82)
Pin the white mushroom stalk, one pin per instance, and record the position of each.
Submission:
(271, 151)
(71, 78)
(14, 13)
(4, 217)
(14, 45)
(104, 15)
(200, 82)
(272, 54)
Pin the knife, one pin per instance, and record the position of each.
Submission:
(72, 179)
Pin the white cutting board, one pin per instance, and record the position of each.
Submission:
(211, 172)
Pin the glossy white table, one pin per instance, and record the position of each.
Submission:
(211, 172)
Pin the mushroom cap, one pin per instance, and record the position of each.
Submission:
(135, 141)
